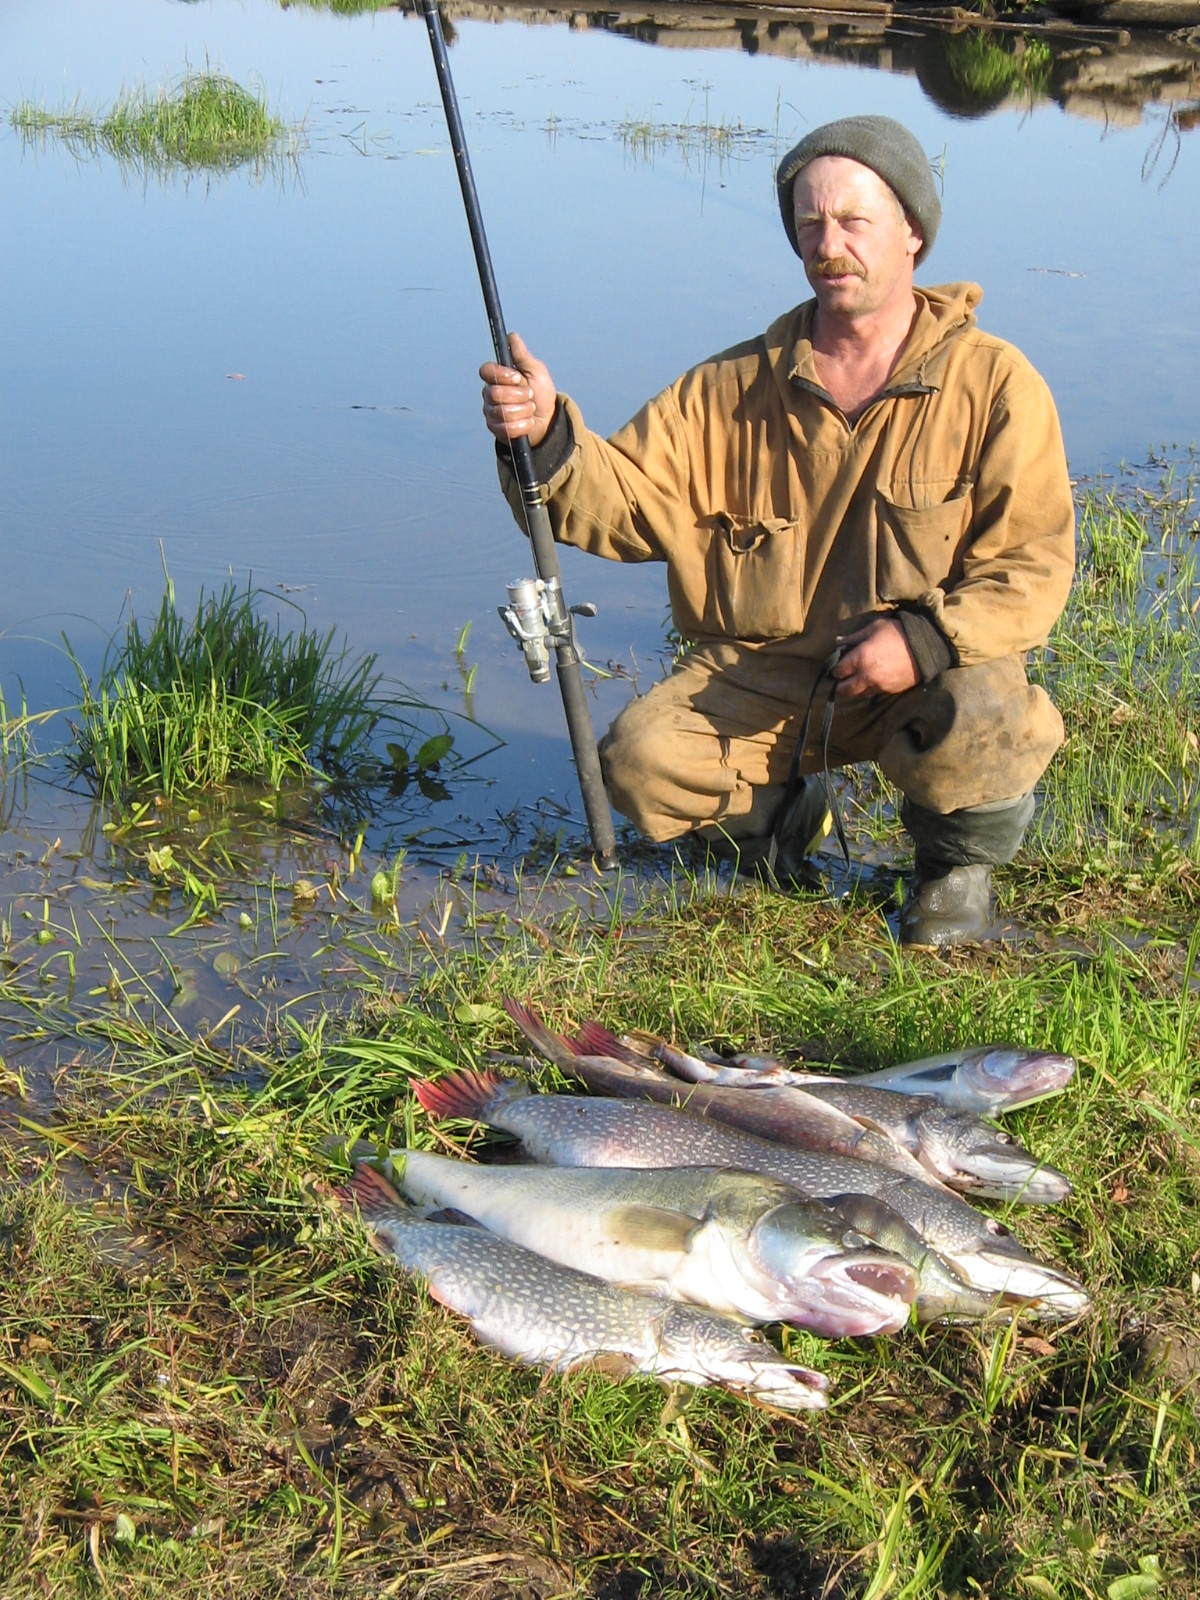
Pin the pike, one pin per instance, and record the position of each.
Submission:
(981, 1249)
(985, 1080)
(966, 1263)
(733, 1242)
(550, 1316)
(957, 1147)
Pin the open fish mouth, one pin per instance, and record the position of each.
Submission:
(859, 1295)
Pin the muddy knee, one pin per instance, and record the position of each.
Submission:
(637, 772)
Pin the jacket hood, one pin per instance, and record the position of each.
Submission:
(942, 314)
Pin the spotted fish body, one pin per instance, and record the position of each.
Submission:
(570, 1130)
(732, 1241)
(542, 1314)
(957, 1147)
(984, 1079)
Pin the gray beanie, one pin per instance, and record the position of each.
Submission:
(887, 148)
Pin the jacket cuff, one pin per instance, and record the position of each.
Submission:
(932, 651)
(554, 451)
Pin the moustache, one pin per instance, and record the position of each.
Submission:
(836, 267)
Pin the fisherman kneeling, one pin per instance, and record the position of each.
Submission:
(872, 476)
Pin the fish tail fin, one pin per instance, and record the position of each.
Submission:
(594, 1039)
(462, 1094)
(547, 1043)
(370, 1192)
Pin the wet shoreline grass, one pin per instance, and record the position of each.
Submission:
(209, 1384)
(208, 1368)
(203, 121)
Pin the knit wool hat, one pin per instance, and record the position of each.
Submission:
(887, 148)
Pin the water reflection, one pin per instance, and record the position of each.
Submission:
(1106, 74)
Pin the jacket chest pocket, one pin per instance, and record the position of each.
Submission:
(918, 548)
(756, 577)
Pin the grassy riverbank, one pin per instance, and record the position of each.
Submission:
(209, 1385)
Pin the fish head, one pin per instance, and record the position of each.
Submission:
(829, 1277)
(999, 1266)
(1001, 1077)
(695, 1347)
(977, 1159)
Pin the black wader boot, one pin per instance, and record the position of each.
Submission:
(950, 897)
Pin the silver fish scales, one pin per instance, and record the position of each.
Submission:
(536, 1312)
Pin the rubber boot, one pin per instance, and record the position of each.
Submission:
(949, 899)
(948, 907)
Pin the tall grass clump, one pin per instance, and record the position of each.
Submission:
(1124, 670)
(228, 696)
(204, 120)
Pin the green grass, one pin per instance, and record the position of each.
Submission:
(229, 696)
(195, 1343)
(203, 121)
(210, 1385)
(340, 8)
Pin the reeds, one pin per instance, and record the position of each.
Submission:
(230, 695)
(203, 121)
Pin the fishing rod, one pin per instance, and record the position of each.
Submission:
(537, 616)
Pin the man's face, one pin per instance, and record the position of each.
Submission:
(855, 241)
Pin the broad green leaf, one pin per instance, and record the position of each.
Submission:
(1132, 1586)
(434, 750)
(465, 1012)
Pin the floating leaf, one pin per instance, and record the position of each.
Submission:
(434, 750)
(225, 963)
(160, 861)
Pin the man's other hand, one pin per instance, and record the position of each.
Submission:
(518, 400)
(877, 660)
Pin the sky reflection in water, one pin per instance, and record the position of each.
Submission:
(278, 379)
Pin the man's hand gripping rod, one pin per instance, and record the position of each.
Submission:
(537, 615)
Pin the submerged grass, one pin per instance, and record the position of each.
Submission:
(205, 120)
(230, 695)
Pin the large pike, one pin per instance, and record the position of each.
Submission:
(981, 1249)
(957, 1147)
(985, 1079)
(542, 1314)
(732, 1241)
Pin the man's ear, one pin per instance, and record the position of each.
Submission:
(916, 239)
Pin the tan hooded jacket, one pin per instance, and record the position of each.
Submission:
(779, 520)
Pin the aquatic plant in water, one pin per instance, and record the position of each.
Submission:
(228, 696)
(204, 120)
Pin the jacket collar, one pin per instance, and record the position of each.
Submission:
(942, 314)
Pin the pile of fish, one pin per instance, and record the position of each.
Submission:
(688, 1199)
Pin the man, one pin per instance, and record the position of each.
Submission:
(872, 475)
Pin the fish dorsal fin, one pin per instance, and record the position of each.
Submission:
(652, 1228)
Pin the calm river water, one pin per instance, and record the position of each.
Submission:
(274, 377)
